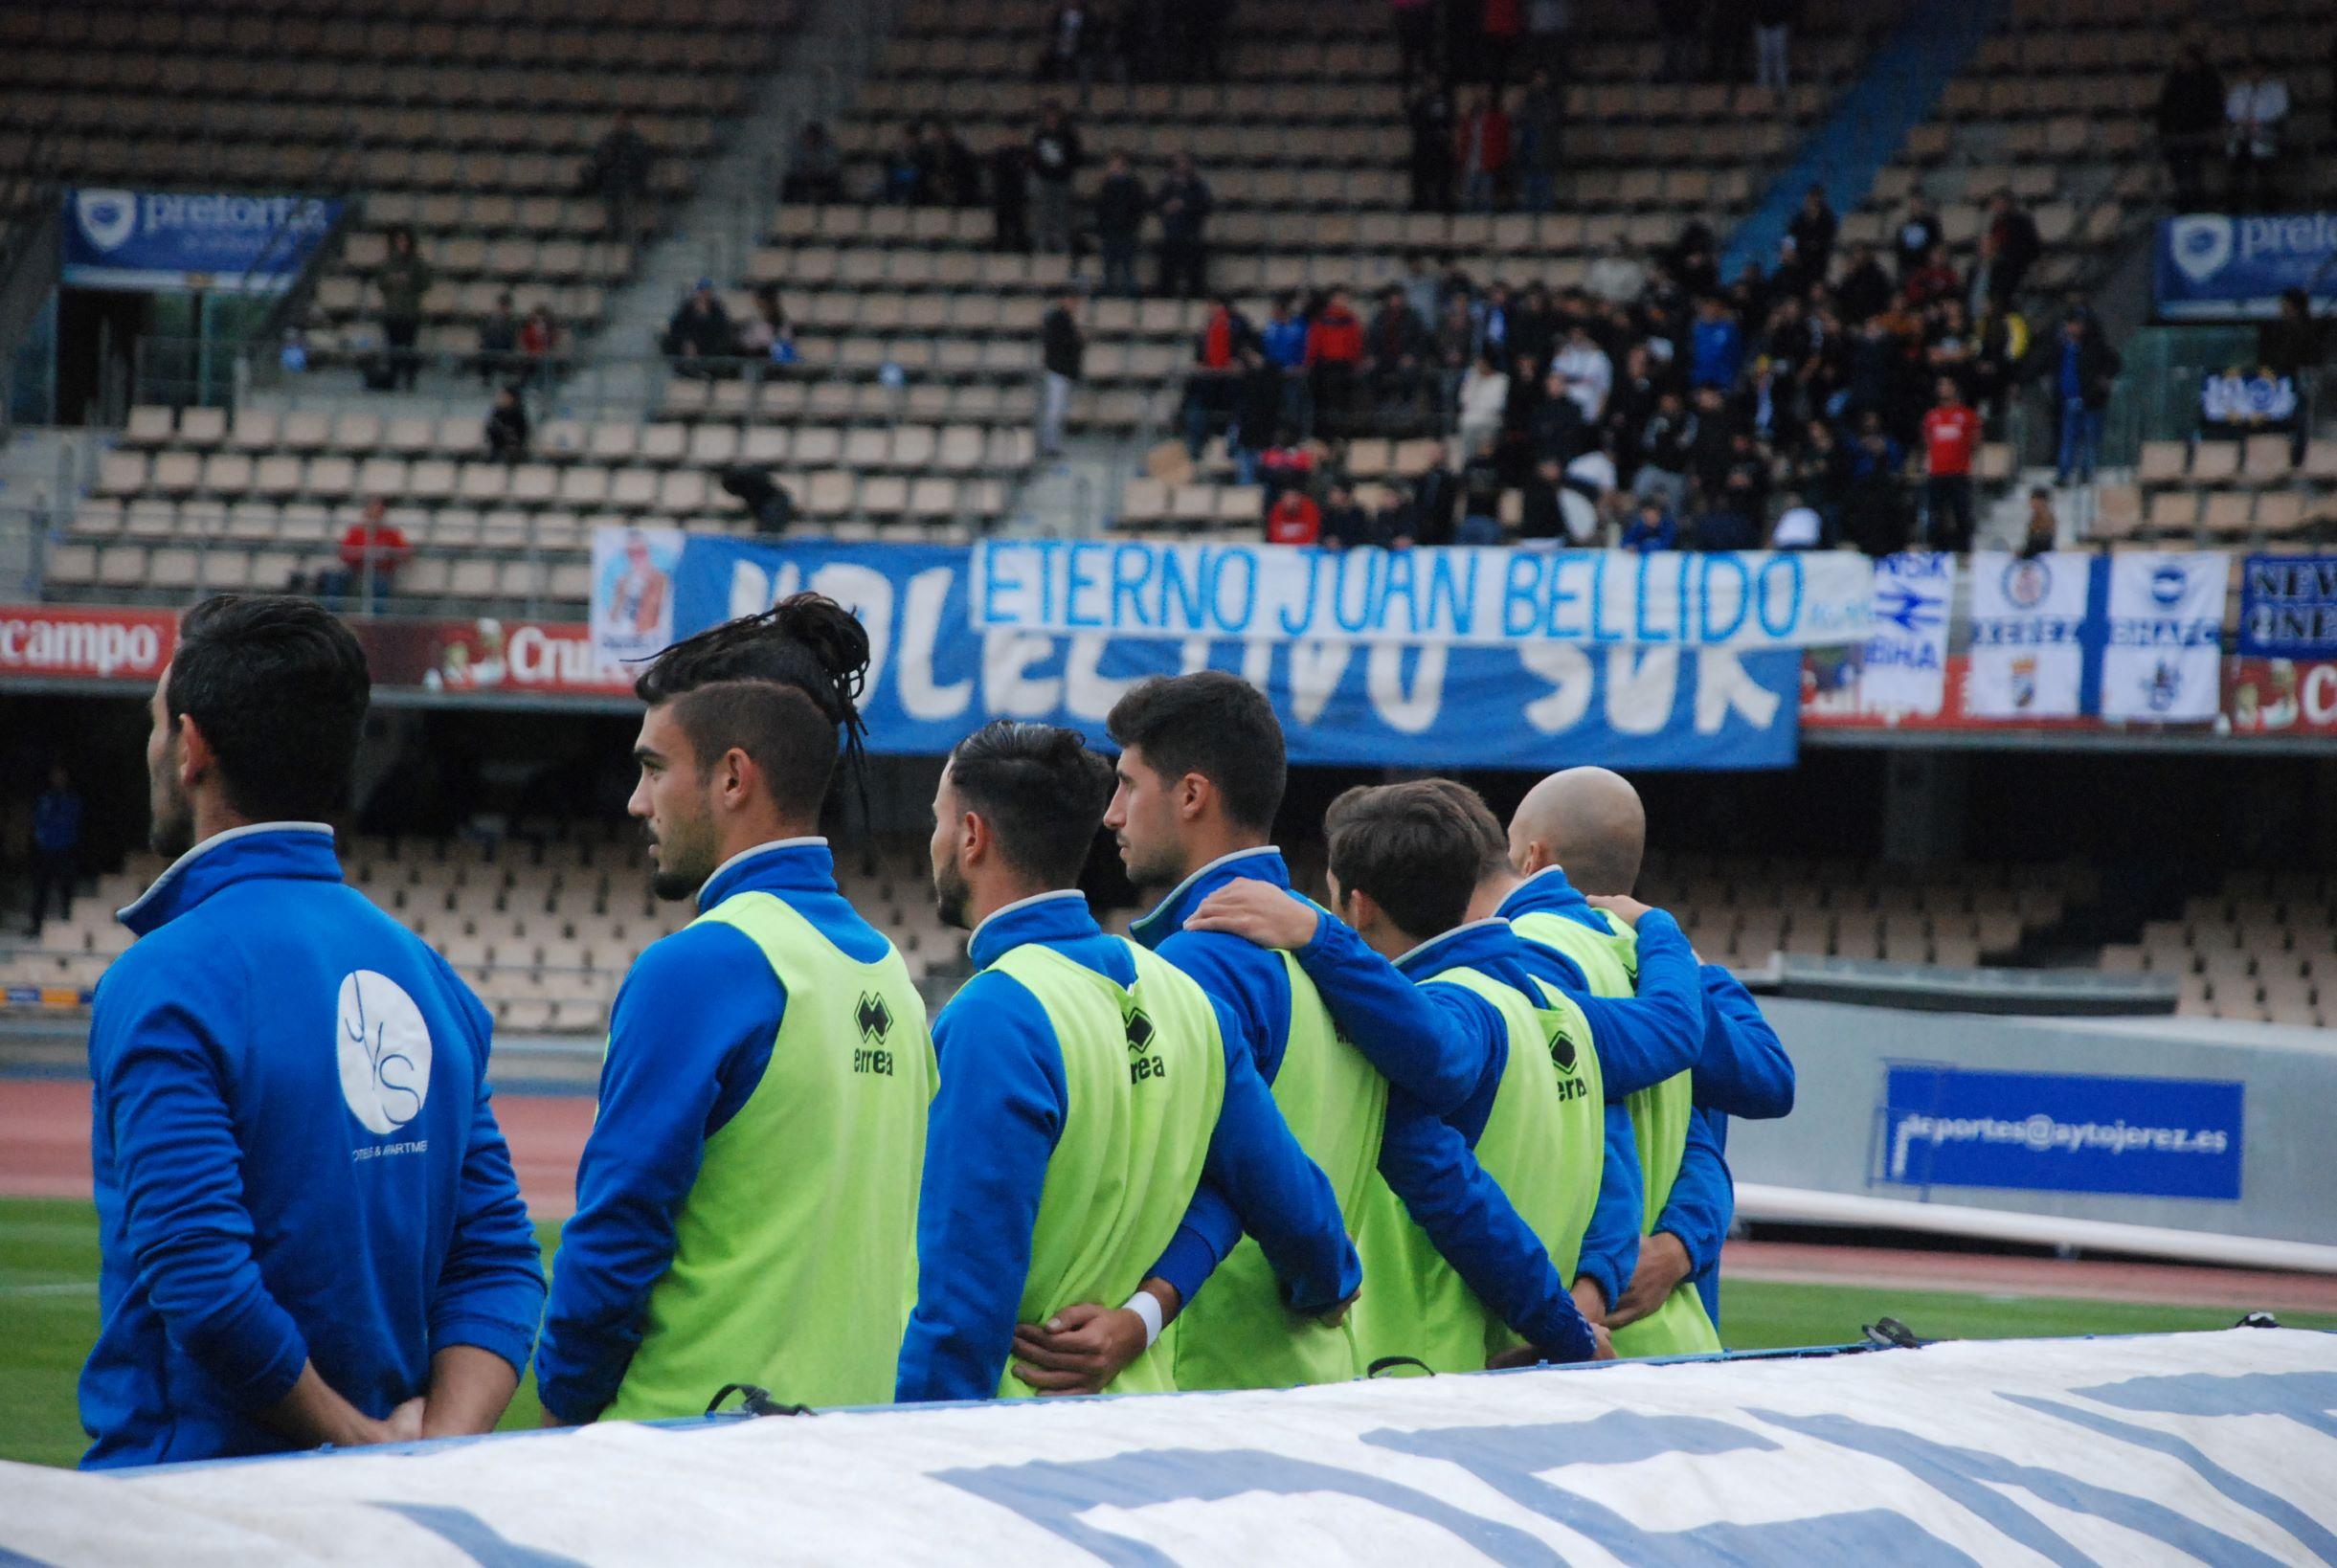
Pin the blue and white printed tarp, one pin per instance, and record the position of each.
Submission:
(936, 677)
(2211, 266)
(216, 240)
(2199, 1447)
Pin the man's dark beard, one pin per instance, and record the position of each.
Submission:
(171, 833)
(678, 878)
(950, 895)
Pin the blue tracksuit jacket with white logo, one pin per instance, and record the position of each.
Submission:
(295, 1159)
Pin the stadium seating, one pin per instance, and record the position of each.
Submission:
(469, 123)
(542, 931)
(2214, 492)
(2263, 948)
(2057, 108)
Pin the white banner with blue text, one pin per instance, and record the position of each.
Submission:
(1124, 587)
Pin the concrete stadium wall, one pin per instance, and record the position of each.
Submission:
(2106, 1073)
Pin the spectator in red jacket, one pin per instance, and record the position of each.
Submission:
(1935, 280)
(1952, 435)
(1480, 150)
(372, 551)
(1334, 357)
(1293, 519)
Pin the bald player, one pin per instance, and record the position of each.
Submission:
(1581, 832)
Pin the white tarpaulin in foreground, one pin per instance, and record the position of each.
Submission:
(2219, 1448)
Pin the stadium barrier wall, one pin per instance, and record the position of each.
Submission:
(2154, 1124)
(2208, 1447)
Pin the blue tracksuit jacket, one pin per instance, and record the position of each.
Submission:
(295, 1159)
(689, 1036)
(994, 1125)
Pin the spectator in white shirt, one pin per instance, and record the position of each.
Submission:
(2255, 112)
(1798, 526)
(1588, 374)
(1619, 277)
(1484, 399)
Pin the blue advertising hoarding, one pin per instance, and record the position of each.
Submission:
(1942, 1126)
(2211, 266)
(161, 240)
(935, 678)
(2288, 607)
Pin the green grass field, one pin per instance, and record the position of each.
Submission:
(49, 1316)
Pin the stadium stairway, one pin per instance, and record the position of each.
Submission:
(817, 74)
(1899, 88)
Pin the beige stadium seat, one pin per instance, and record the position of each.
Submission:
(121, 473)
(2162, 462)
(630, 490)
(150, 425)
(255, 430)
(682, 492)
(408, 434)
(176, 473)
(2266, 456)
(2215, 461)
(305, 429)
(202, 426)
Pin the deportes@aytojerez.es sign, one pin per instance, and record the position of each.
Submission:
(1942, 1126)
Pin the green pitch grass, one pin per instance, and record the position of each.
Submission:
(49, 1307)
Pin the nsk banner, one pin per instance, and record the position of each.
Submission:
(151, 240)
(2288, 607)
(1781, 599)
(1944, 1126)
(2155, 1448)
(1901, 667)
(935, 678)
(2163, 636)
(2211, 267)
(2030, 616)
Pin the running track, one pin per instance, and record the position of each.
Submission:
(44, 1152)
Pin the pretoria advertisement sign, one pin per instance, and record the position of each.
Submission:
(66, 642)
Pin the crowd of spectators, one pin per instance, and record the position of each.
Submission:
(1841, 395)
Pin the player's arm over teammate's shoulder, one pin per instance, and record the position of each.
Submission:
(1744, 1070)
(689, 1035)
(993, 1129)
(1657, 1032)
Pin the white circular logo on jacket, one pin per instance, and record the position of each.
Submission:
(385, 1052)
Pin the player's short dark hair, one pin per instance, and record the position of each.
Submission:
(1492, 841)
(1042, 791)
(807, 643)
(1412, 847)
(279, 686)
(1213, 724)
(780, 729)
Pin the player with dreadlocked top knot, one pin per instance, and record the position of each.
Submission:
(746, 1203)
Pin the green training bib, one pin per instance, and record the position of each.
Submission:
(1144, 1077)
(1543, 1143)
(1236, 1332)
(1610, 960)
(795, 1254)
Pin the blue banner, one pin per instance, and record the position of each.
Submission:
(2288, 607)
(149, 240)
(2211, 267)
(935, 678)
(2164, 1137)
(1668, 598)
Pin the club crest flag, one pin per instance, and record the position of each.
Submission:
(2029, 617)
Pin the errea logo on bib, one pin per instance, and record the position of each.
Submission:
(384, 1049)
